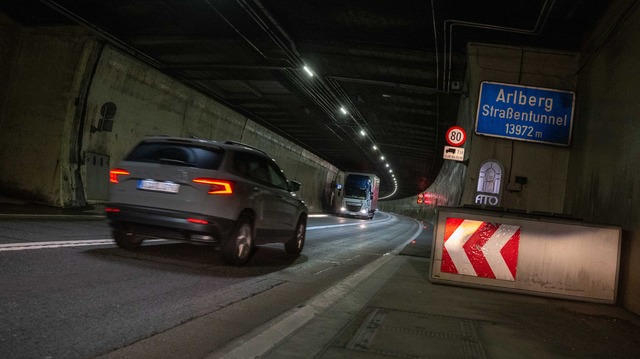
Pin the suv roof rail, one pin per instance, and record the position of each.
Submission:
(245, 145)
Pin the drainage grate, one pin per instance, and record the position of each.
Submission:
(415, 335)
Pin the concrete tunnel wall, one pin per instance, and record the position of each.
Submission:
(58, 79)
(603, 180)
(41, 73)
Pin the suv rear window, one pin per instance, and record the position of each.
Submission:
(177, 155)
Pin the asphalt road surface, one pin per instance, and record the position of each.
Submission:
(66, 290)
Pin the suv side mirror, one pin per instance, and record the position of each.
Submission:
(294, 186)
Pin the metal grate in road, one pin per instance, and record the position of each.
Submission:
(414, 335)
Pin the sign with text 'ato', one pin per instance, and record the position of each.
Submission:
(525, 113)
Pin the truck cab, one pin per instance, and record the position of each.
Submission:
(359, 195)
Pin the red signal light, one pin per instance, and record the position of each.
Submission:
(428, 198)
(114, 173)
(197, 221)
(216, 186)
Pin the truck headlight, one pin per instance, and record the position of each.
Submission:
(343, 209)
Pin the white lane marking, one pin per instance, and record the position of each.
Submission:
(100, 242)
(362, 223)
(268, 336)
(50, 216)
(60, 244)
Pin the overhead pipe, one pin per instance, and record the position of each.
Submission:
(325, 92)
(387, 84)
(267, 29)
(206, 66)
(435, 42)
(114, 41)
(355, 113)
(291, 54)
(450, 24)
(288, 50)
(111, 39)
(234, 28)
(326, 106)
(372, 141)
(367, 153)
(292, 57)
(318, 91)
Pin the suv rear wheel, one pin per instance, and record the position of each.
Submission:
(127, 240)
(237, 248)
(295, 244)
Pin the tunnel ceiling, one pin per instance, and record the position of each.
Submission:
(395, 66)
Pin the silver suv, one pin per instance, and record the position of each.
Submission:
(227, 194)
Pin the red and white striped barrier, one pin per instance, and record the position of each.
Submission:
(480, 249)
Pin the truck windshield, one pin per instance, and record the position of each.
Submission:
(358, 193)
(357, 186)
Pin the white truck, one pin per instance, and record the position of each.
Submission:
(359, 195)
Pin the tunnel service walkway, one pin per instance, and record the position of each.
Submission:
(396, 312)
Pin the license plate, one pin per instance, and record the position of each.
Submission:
(151, 185)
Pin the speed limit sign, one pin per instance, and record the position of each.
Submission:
(456, 136)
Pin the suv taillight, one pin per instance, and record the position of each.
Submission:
(216, 186)
(114, 173)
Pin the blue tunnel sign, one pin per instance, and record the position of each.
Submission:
(525, 113)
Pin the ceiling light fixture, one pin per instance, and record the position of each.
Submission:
(375, 147)
(362, 133)
(343, 110)
(308, 71)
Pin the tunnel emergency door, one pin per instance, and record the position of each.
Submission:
(97, 184)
